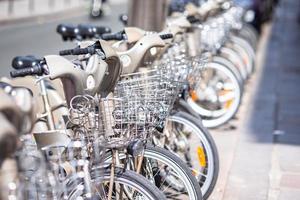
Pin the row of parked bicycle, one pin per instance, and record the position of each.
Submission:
(125, 115)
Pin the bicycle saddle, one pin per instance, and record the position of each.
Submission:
(67, 31)
(70, 32)
(90, 31)
(21, 62)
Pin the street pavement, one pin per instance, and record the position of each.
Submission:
(259, 150)
(260, 159)
(18, 11)
(40, 38)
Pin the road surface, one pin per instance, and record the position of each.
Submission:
(40, 38)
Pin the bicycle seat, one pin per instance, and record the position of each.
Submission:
(91, 31)
(21, 62)
(67, 31)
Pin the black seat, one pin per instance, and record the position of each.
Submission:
(21, 62)
(91, 31)
(67, 31)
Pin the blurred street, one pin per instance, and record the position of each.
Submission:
(260, 149)
(22, 10)
(37, 36)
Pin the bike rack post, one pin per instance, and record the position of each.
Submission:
(67, 2)
(141, 14)
(31, 5)
(51, 3)
(11, 6)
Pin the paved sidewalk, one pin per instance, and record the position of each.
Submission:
(261, 158)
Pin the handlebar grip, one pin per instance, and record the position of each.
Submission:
(192, 19)
(36, 70)
(83, 51)
(77, 51)
(66, 52)
(113, 36)
(166, 36)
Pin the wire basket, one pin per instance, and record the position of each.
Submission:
(177, 50)
(114, 122)
(197, 66)
(175, 68)
(234, 17)
(152, 89)
(185, 69)
(214, 34)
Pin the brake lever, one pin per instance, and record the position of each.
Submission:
(100, 54)
(41, 78)
(46, 71)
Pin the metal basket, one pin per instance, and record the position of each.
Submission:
(114, 122)
(186, 69)
(234, 17)
(174, 68)
(214, 34)
(197, 66)
(152, 88)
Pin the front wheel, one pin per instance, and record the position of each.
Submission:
(248, 52)
(233, 56)
(126, 185)
(165, 170)
(194, 144)
(249, 33)
(218, 95)
(231, 66)
(171, 174)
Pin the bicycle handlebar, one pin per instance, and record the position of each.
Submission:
(36, 70)
(66, 52)
(166, 36)
(192, 19)
(114, 36)
(78, 51)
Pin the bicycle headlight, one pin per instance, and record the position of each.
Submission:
(90, 82)
(126, 60)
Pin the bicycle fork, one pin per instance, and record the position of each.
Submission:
(47, 108)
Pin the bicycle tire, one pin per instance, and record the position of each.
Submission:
(213, 122)
(210, 147)
(248, 51)
(233, 56)
(171, 160)
(123, 177)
